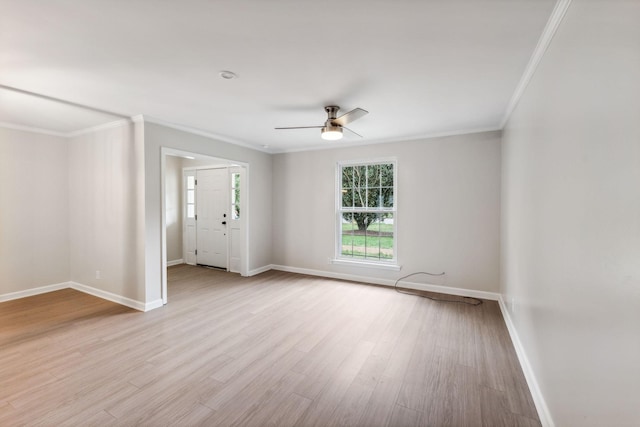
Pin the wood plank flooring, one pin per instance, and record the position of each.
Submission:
(277, 349)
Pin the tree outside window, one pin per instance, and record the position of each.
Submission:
(235, 196)
(366, 212)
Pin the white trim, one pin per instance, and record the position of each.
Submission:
(449, 290)
(204, 133)
(72, 134)
(244, 200)
(534, 388)
(109, 125)
(175, 262)
(192, 155)
(23, 128)
(543, 44)
(138, 118)
(259, 270)
(366, 264)
(391, 264)
(327, 146)
(153, 304)
(211, 166)
(246, 226)
(34, 291)
(362, 143)
(389, 282)
(119, 299)
(163, 232)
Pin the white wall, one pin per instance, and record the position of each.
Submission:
(571, 217)
(173, 208)
(34, 211)
(94, 205)
(105, 214)
(157, 136)
(448, 208)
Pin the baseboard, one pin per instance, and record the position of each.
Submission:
(35, 291)
(538, 399)
(260, 270)
(153, 304)
(87, 290)
(175, 262)
(119, 299)
(138, 305)
(389, 282)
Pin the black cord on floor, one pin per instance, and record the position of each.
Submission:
(466, 300)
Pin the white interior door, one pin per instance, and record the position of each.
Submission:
(212, 204)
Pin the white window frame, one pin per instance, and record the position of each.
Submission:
(388, 264)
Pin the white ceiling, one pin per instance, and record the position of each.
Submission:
(420, 67)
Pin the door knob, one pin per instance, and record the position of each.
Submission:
(224, 222)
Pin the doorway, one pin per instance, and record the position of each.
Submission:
(213, 223)
(204, 212)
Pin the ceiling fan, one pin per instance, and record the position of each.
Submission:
(333, 126)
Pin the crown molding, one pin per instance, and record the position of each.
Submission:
(114, 124)
(339, 144)
(204, 133)
(109, 125)
(138, 118)
(23, 128)
(549, 31)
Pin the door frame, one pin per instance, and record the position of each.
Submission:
(244, 201)
(229, 169)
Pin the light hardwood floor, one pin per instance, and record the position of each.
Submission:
(277, 349)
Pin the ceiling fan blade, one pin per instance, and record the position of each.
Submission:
(349, 117)
(355, 133)
(302, 127)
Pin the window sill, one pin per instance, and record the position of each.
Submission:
(365, 264)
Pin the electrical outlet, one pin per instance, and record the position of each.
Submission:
(98, 274)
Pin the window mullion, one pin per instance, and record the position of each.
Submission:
(364, 234)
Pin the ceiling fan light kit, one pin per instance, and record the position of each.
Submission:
(331, 133)
(333, 126)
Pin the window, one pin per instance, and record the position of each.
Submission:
(191, 196)
(235, 196)
(366, 212)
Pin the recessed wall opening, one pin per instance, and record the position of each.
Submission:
(204, 213)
